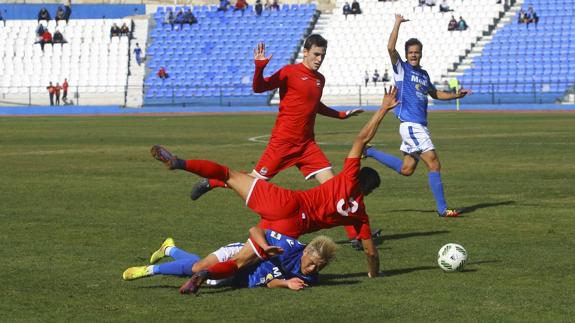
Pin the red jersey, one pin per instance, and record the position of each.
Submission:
(338, 201)
(65, 86)
(300, 94)
(335, 202)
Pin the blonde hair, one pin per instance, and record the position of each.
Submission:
(323, 247)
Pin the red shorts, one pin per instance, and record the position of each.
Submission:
(278, 208)
(279, 155)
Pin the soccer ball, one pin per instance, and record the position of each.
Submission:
(452, 257)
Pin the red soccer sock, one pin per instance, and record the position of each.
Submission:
(216, 183)
(223, 270)
(207, 169)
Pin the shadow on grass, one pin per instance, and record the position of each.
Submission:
(401, 271)
(379, 239)
(465, 209)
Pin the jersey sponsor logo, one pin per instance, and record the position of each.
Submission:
(417, 79)
(318, 83)
(350, 208)
(264, 171)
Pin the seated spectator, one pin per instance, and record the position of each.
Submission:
(224, 4)
(452, 24)
(46, 38)
(444, 7)
(385, 77)
(346, 9)
(40, 30)
(268, 5)
(531, 17)
(241, 5)
(68, 11)
(375, 77)
(461, 24)
(189, 17)
(355, 9)
(43, 14)
(258, 8)
(430, 3)
(162, 73)
(114, 31)
(2, 18)
(521, 17)
(275, 5)
(58, 38)
(180, 18)
(366, 78)
(125, 30)
(60, 15)
(169, 18)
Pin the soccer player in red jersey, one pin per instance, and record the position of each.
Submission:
(292, 142)
(336, 202)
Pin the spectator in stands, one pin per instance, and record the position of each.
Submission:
(241, 5)
(190, 18)
(258, 8)
(375, 77)
(275, 5)
(40, 30)
(58, 38)
(57, 89)
(169, 18)
(444, 7)
(452, 24)
(162, 73)
(355, 9)
(531, 17)
(268, 5)
(68, 11)
(2, 18)
(65, 91)
(346, 9)
(46, 38)
(385, 77)
(461, 24)
(224, 4)
(51, 91)
(430, 3)
(366, 78)
(521, 17)
(138, 54)
(43, 14)
(114, 31)
(125, 30)
(180, 18)
(60, 15)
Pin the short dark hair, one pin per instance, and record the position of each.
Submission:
(315, 39)
(413, 41)
(368, 179)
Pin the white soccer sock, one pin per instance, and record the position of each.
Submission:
(167, 251)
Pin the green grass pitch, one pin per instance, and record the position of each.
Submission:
(82, 199)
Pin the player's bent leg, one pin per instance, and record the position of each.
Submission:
(240, 182)
(409, 165)
(386, 159)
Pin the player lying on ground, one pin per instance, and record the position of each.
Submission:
(337, 202)
(288, 263)
(414, 86)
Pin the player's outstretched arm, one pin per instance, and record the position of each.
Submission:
(393, 54)
(441, 95)
(329, 112)
(258, 236)
(368, 131)
(261, 84)
(372, 257)
(292, 283)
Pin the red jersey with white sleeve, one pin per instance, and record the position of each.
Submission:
(300, 94)
(337, 202)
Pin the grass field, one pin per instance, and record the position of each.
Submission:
(82, 199)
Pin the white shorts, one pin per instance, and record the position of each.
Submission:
(225, 253)
(416, 138)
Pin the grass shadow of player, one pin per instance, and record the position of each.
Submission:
(379, 237)
(464, 210)
(401, 271)
(340, 279)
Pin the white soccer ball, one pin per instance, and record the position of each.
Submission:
(452, 257)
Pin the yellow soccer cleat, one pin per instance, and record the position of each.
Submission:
(161, 253)
(133, 273)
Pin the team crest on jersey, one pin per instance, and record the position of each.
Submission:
(351, 207)
(264, 171)
(318, 83)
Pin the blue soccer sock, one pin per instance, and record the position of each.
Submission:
(176, 268)
(179, 254)
(386, 159)
(436, 187)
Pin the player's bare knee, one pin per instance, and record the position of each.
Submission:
(407, 171)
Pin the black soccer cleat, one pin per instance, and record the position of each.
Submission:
(200, 188)
(162, 154)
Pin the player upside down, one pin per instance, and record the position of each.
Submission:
(337, 202)
(287, 263)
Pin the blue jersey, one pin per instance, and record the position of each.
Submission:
(413, 86)
(284, 266)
